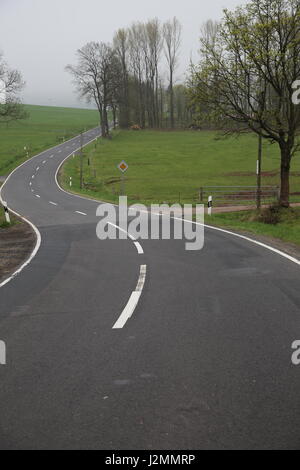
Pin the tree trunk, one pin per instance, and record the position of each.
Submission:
(105, 122)
(172, 100)
(114, 116)
(102, 124)
(285, 176)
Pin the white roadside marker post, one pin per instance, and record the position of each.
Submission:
(70, 181)
(7, 216)
(210, 205)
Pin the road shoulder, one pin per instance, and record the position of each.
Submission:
(290, 249)
(16, 245)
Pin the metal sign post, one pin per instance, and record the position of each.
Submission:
(123, 167)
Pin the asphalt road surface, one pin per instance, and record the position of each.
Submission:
(203, 363)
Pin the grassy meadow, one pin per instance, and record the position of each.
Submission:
(172, 166)
(46, 126)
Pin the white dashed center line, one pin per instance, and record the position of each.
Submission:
(139, 248)
(81, 213)
(133, 301)
(53, 203)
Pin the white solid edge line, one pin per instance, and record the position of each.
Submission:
(34, 252)
(133, 301)
(37, 232)
(243, 237)
(256, 242)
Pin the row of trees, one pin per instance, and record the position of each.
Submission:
(125, 77)
(246, 78)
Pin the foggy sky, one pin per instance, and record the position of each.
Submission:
(40, 37)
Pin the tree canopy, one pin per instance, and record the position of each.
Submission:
(245, 79)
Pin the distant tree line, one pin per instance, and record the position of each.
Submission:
(126, 79)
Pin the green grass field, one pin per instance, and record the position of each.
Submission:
(172, 166)
(47, 126)
(287, 230)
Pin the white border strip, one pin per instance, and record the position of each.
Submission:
(35, 250)
(37, 232)
(256, 242)
(268, 247)
(243, 237)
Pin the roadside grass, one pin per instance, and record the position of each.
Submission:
(46, 127)
(171, 166)
(287, 229)
(3, 223)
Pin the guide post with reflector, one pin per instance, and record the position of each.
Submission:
(6, 212)
(210, 205)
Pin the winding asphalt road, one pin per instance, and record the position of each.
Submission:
(203, 363)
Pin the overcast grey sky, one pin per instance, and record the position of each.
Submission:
(40, 37)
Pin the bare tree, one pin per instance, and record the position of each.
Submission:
(152, 47)
(172, 39)
(141, 96)
(137, 68)
(209, 32)
(97, 76)
(245, 79)
(121, 46)
(11, 83)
